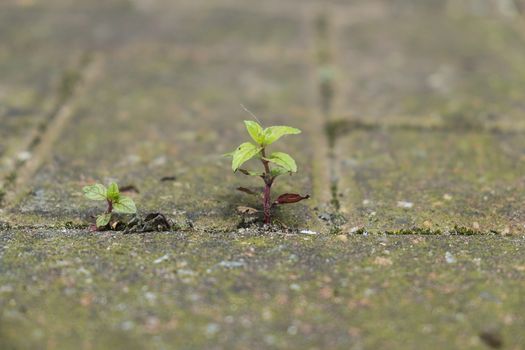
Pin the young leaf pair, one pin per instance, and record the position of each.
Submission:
(115, 202)
(274, 164)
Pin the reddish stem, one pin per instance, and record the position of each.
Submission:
(267, 203)
(268, 181)
(109, 210)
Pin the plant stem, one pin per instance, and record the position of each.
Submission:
(267, 198)
(109, 210)
(267, 203)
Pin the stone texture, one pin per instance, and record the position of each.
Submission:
(412, 114)
(167, 103)
(432, 115)
(259, 291)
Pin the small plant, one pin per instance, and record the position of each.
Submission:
(274, 164)
(115, 202)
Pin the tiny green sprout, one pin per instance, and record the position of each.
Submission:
(274, 164)
(115, 202)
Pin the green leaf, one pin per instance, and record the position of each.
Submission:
(278, 171)
(249, 172)
(125, 205)
(96, 192)
(113, 193)
(273, 133)
(255, 130)
(283, 160)
(103, 219)
(244, 153)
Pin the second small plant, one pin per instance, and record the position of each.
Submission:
(115, 201)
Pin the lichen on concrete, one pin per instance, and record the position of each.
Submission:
(275, 289)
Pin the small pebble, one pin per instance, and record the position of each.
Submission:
(450, 259)
(161, 259)
(231, 264)
(404, 204)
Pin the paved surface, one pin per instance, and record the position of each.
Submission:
(412, 119)
(251, 290)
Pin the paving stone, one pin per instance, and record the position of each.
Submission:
(163, 106)
(259, 291)
(432, 61)
(32, 66)
(429, 120)
(436, 181)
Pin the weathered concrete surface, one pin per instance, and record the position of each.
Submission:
(434, 181)
(167, 103)
(429, 117)
(445, 79)
(249, 290)
(34, 69)
(424, 106)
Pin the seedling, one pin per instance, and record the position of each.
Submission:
(115, 202)
(274, 164)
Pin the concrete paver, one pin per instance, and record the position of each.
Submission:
(166, 106)
(431, 127)
(259, 291)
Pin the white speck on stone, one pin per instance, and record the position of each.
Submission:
(161, 259)
(404, 204)
(127, 325)
(186, 272)
(366, 201)
(84, 271)
(24, 156)
(270, 339)
(151, 297)
(231, 264)
(295, 287)
(292, 330)
(159, 161)
(369, 292)
(308, 232)
(449, 258)
(354, 229)
(447, 197)
(6, 288)
(212, 329)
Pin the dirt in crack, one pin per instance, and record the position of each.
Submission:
(326, 76)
